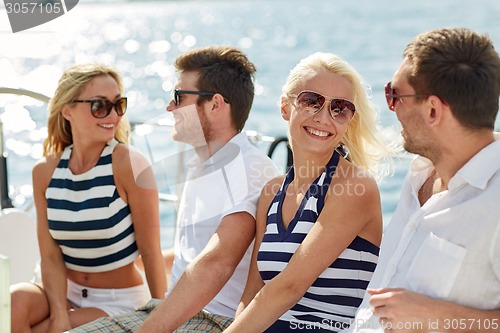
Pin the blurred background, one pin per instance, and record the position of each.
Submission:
(143, 38)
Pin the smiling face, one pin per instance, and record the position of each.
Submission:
(86, 127)
(191, 125)
(318, 133)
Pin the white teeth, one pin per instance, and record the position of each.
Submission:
(107, 125)
(316, 132)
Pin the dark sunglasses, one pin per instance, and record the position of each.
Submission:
(392, 98)
(178, 93)
(101, 108)
(309, 103)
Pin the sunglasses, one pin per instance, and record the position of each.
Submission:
(178, 93)
(101, 108)
(392, 98)
(309, 103)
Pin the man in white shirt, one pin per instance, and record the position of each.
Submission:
(216, 218)
(439, 266)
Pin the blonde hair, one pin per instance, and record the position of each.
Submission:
(362, 138)
(72, 82)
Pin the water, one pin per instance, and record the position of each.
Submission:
(142, 39)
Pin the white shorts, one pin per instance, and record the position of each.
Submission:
(112, 301)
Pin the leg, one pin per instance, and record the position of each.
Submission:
(203, 322)
(77, 318)
(126, 323)
(82, 316)
(168, 259)
(29, 306)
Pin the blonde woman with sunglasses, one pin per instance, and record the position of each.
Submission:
(93, 218)
(319, 227)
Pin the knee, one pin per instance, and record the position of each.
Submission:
(21, 299)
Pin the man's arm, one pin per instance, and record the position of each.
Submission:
(205, 276)
(407, 311)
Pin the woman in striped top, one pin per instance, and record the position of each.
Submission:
(93, 216)
(319, 227)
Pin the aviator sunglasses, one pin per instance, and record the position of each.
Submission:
(392, 98)
(101, 108)
(309, 103)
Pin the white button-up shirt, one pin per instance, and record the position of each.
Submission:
(229, 181)
(450, 247)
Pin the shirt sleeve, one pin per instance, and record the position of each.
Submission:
(245, 191)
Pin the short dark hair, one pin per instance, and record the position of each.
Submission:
(225, 70)
(462, 68)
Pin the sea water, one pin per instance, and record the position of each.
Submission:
(143, 38)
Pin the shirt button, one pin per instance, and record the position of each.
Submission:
(84, 293)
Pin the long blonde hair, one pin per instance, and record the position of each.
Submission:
(72, 82)
(362, 138)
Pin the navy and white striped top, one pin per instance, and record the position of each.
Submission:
(87, 217)
(331, 302)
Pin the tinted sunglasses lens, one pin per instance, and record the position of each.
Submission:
(309, 102)
(99, 108)
(342, 110)
(121, 106)
(389, 96)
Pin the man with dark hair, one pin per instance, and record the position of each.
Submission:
(439, 267)
(216, 217)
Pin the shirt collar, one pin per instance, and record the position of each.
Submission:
(476, 172)
(420, 170)
(480, 168)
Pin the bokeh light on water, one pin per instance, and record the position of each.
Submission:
(142, 39)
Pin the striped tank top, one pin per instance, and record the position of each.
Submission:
(88, 219)
(331, 302)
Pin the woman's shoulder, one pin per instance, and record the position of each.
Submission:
(349, 171)
(129, 164)
(47, 162)
(271, 188)
(274, 185)
(126, 153)
(43, 169)
(121, 150)
(269, 191)
(355, 179)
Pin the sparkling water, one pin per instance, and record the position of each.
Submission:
(142, 39)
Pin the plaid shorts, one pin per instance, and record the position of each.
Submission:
(128, 323)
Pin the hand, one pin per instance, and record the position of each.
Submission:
(401, 310)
